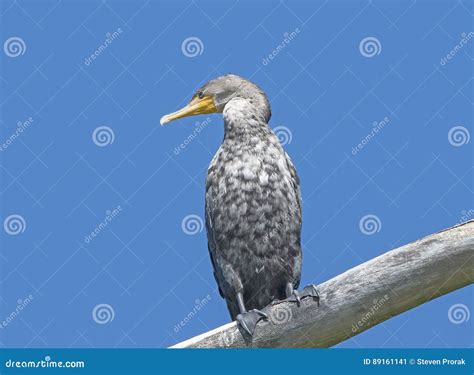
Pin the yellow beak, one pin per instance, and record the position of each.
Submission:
(195, 107)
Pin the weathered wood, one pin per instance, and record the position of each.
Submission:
(361, 297)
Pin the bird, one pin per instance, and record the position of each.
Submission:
(252, 203)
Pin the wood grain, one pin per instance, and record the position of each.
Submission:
(361, 297)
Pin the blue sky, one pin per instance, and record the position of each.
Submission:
(372, 110)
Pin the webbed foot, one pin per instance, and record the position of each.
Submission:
(310, 291)
(248, 320)
(295, 297)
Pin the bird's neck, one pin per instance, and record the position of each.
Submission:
(243, 118)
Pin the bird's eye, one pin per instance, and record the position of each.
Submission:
(200, 95)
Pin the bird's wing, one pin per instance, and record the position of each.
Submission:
(295, 183)
(211, 242)
(295, 180)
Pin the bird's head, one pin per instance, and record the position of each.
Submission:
(217, 93)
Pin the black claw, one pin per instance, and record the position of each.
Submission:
(248, 320)
(310, 291)
(261, 313)
(295, 297)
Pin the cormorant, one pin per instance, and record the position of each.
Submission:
(253, 203)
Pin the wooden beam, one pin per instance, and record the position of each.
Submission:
(361, 297)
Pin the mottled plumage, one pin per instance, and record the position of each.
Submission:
(253, 211)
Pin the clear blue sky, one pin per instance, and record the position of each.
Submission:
(94, 148)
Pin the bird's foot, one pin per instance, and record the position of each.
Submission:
(295, 297)
(248, 320)
(310, 291)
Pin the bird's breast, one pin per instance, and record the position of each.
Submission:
(249, 194)
(248, 172)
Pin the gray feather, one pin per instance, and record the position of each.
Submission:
(253, 208)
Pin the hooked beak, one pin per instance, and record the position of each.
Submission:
(195, 107)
